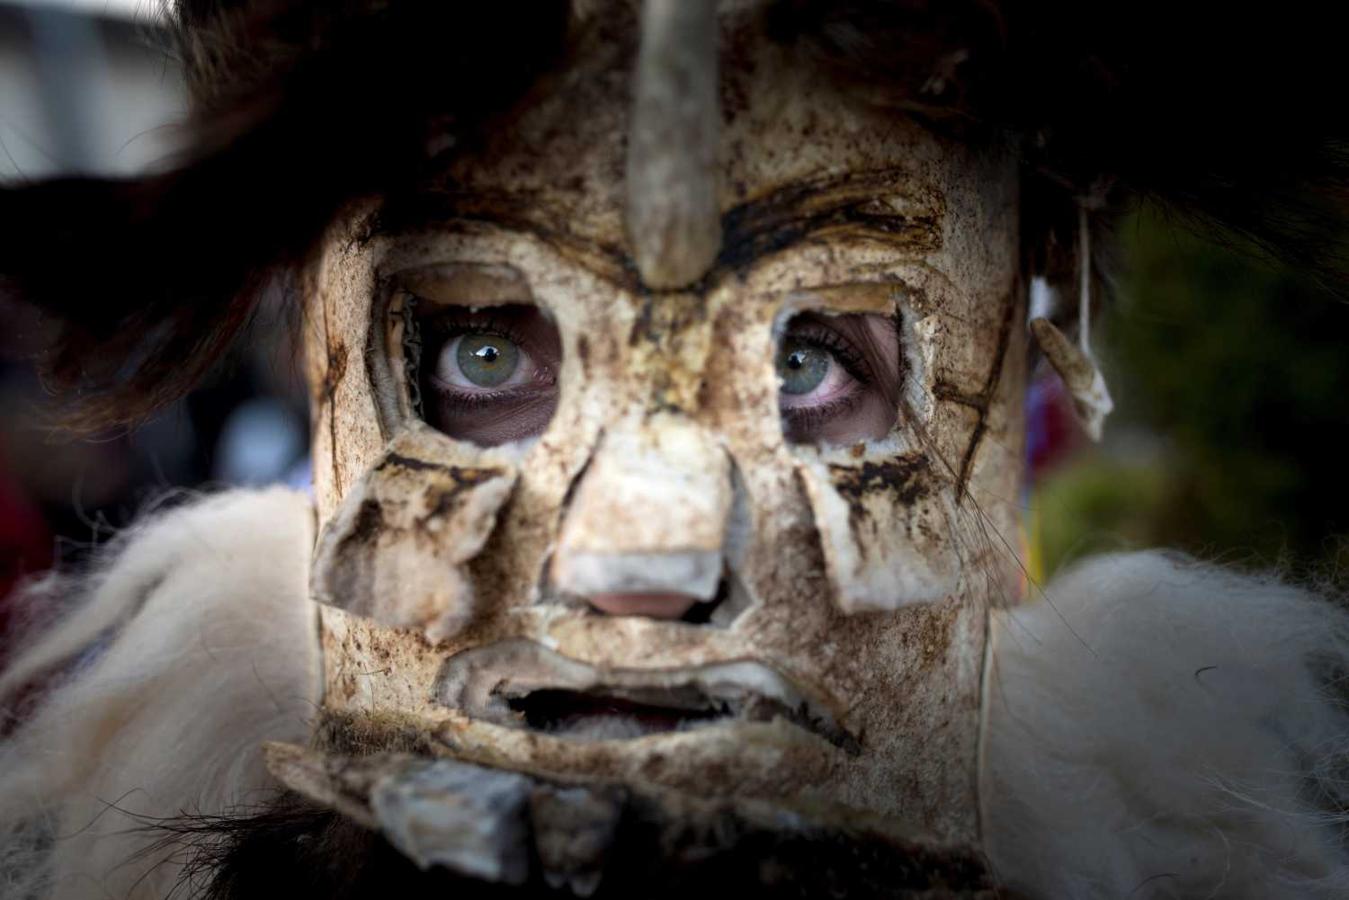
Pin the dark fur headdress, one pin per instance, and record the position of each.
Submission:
(1229, 117)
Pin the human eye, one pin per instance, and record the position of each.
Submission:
(480, 359)
(838, 378)
(486, 376)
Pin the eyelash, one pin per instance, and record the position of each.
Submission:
(447, 326)
(466, 404)
(811, 416)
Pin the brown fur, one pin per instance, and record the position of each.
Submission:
(294, 849)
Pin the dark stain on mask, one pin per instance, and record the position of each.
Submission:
(367, 525)
(411, 464)
(336, 369)
(350, 576)
(902, 477)
(333, 374)
(443, 486)
(905, 479)
(442, 501)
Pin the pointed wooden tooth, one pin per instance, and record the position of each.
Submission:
(574, 828)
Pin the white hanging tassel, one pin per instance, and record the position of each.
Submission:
(1074, 364)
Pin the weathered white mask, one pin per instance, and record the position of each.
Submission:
(673, 435)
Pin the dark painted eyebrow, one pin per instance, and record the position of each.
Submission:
(868, 205)
(874, 205)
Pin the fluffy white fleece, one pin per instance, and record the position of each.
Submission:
(1158, 727)
(195, 642)
(1154, 728)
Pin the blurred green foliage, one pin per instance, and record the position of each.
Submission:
(1231, 379)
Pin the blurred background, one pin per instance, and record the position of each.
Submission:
(88, 87)
(1230, 374)
(1231, 381)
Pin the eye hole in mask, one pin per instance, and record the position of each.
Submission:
(839, 378)
(486, 376)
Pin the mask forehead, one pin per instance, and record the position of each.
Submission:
(859, 575)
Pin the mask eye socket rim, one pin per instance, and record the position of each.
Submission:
(855, 372)
(395, 354)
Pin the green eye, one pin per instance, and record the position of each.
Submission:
(801, 366)
(487, 360)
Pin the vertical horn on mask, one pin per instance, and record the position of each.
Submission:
(673, 220)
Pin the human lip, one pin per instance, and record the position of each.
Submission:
(521, 684)
(656, 606)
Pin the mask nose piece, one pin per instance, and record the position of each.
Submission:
(645, 530)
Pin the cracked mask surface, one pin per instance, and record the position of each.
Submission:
(842, 661)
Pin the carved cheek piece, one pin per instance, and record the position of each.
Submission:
(397, 548)
(885, 528)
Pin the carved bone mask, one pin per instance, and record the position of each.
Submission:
(634, 277)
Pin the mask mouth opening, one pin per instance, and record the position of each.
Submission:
(600, 714)
(523, 685)
(616, 714)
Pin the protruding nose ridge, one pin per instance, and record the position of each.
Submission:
(645, 530)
